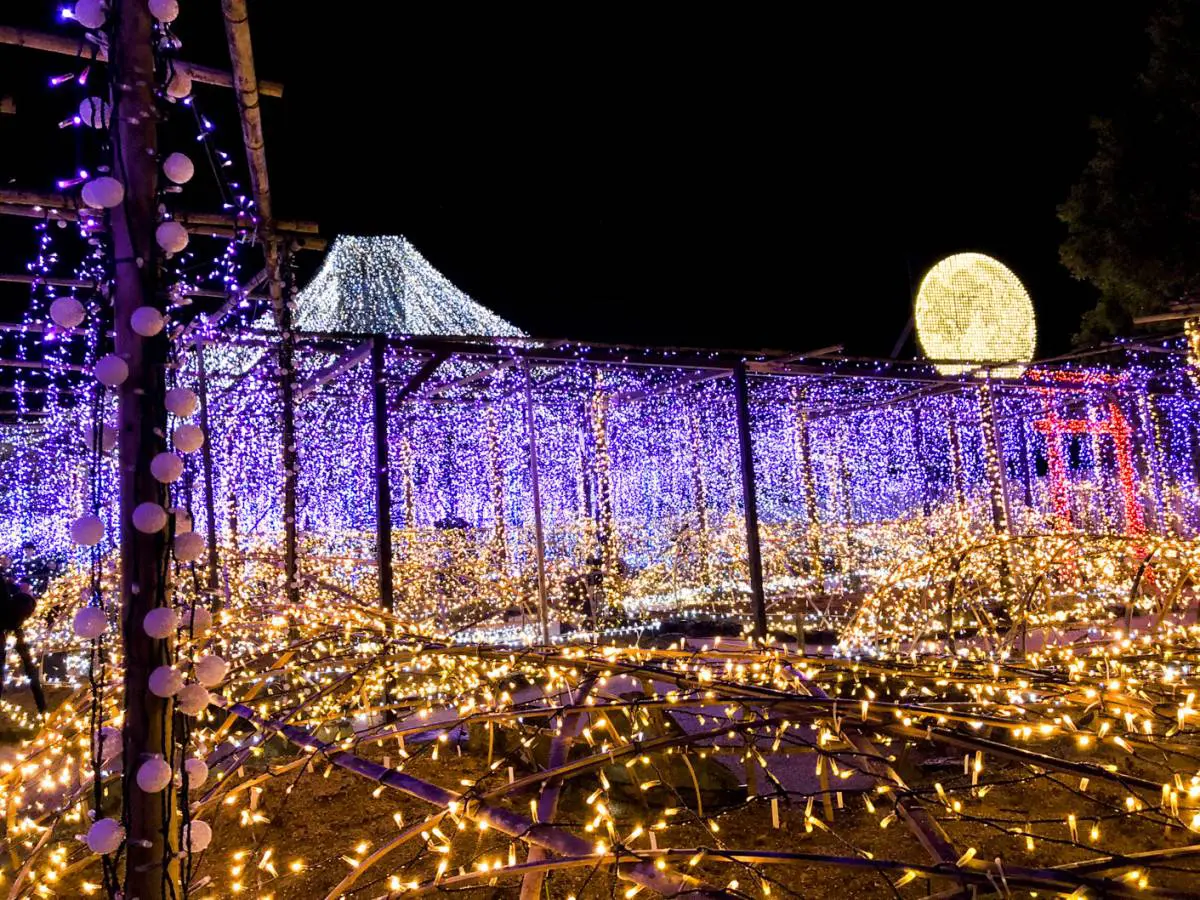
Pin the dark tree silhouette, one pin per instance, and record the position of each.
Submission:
(1133, 217)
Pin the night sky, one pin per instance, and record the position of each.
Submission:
(672, 176)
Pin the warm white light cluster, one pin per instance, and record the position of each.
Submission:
(972, 309)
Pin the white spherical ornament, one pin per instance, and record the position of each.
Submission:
(179, 168)
(164, 10)
(182, 401)
(95, 113)
(154, 775)
(149, 518)
(146, 321)
(67, 312)
(111, 370)
(110, 742)
(198, 619)
(180, 85)
(160, 622)
(105, 836)
(89, 623)
(166, 467)
(171, 236)
(108, 437)
(91, 14)
(189, 546)
(210, 670)
(188, 438)
(196, 770)
(197, 835)
(193, 699)
(104, 192)
(165, 681)
(87, 531)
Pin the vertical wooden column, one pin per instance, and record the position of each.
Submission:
(383, 483)
(922, 466)
(993, 457)
(291, 464)
(750, 501)
(538, 535)
(206, 463)
(151, 870)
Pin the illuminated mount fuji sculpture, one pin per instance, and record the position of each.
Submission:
(383, 285)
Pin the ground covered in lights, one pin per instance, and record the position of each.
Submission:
(349, 756)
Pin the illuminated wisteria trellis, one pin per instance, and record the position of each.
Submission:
(440, 608)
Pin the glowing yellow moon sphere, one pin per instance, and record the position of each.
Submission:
(973, 309)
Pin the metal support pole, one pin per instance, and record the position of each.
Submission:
(206, 462)
(539, 537)
(750, 501)
(383, 484)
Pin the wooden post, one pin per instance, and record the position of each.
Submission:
(383, 484)
(245, 82)
(993, 457)
(151, 870)
(206, 462)
(750, 501)
(538, 536)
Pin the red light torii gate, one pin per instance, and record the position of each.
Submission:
(1115, 426)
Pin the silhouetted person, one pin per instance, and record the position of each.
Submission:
(17, 604)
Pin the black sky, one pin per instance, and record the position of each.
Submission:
(676, 175)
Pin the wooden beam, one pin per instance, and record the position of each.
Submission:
(340, 366)
(89, 52)
(51, 204)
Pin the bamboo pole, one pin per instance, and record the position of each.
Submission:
(750, 501)
(88, 52)
(538, 535)
(151, 870)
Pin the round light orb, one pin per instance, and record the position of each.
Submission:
(95, 113)
(165, 681)
(972, 313)
(161, 622)
(164, 10)
(211, 670)
(189, 546)
(166, 467)
(193, 699)
(197, 835)
(180, 85)
(108, 437)
(104, 192)
(182, 401)
(91, 14)
(179, 168)
(89, 623)
(154, 775)
(111, 370)
(105, 836)
(196, 770)
(171, 236)
(188, 438)
(149, 518)
(198, 619)
(87, 531)
(146, 321)
(67, 312)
